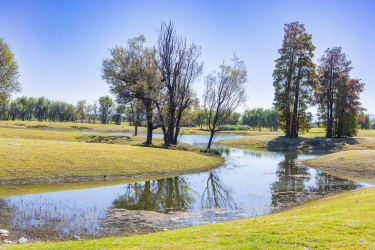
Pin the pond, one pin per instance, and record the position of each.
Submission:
(251, 183)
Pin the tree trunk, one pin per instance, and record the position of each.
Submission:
(287, 128)
(171, 122)
(166, 138)
(294, 133)
(329, 107)
(150, 125)
(177, 128)
(327, 122)
(211, 138)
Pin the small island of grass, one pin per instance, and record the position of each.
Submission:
(356, 165)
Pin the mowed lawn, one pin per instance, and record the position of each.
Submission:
(344, 221)
(113, 128)
(30, 159)
(357, 165)
(74, 137)
(313, 141)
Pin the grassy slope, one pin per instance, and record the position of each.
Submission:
(340, 221)
(109, 128)
(357, 165)
(35, 134)
(312, 141)
(81, 137)
(30, 159)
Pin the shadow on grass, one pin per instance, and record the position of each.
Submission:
(140, 141)
(283, 143)
(105, 139)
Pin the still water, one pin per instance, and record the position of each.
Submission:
(250, 183)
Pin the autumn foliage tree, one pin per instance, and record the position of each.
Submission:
(364, 121)
(337, 95)
(294, 76)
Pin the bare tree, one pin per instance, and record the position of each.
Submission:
(224, 92)
(217, 194)
(179, 69)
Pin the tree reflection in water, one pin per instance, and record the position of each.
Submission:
(292, 185)
(216, 194)
(164, 195)
(6, 214)
(174, 194)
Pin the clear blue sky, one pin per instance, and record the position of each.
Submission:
(60, 45)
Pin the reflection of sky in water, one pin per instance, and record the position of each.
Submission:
(251, 179)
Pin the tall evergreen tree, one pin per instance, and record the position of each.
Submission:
(293, 78)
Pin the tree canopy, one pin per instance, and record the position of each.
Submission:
(9, 72)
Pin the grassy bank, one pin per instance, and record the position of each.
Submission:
(111, 128)
(37, 134)
(357, 165)
(312, 141)
(340, 221)
(25, 161)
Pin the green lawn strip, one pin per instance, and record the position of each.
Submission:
(30, 159)
(90, 138)
(71, 136)
(306, 142)
(340, 221)
(112, 128)
(256, 141)
(356, 165)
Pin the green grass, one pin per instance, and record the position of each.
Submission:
(89, 138)
(341, 221)
(81, 137)
(110, 128)
(60, 136)
(357, 165)
(33, 159)
(312, 141)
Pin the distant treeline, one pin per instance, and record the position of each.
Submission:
(254, 119)
(365, 122)
(43, 109)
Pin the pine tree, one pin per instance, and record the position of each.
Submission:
(294, 76)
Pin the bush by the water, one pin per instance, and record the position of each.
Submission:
(235, 127)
